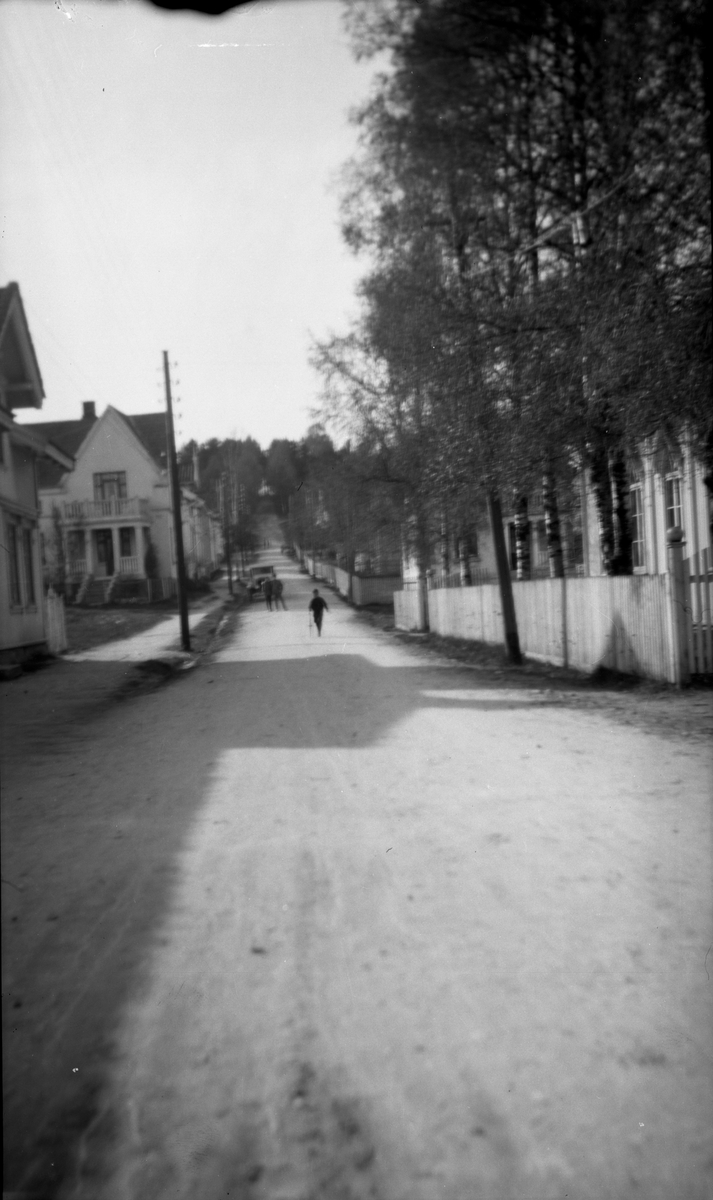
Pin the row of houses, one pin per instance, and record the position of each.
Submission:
(85, 504)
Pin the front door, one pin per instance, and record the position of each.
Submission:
(105, 552)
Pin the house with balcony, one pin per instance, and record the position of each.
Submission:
(109, 520)
(23, 452)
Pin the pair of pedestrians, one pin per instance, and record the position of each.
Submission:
(272, 590)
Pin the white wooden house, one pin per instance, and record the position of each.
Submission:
(110, 519)
(667, 490)
(655, 621)
(23, 618)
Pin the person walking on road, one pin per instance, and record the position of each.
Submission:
(317, 606)
(277, 594)
(267, 593)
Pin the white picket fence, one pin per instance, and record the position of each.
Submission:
(360, 589)
(656, 626)
(698, 593)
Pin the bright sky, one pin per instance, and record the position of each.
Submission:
(167, 182)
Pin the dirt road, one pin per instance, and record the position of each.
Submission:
(330, 919)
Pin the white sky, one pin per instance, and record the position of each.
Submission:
(160, 193)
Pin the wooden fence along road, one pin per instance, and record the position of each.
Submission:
(657, 626)
(360, 589)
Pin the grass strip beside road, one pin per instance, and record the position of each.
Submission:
(90, 627)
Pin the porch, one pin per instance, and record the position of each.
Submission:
(103, 553)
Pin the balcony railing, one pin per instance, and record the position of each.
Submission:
(77, 567)
(129, 565)
(102, 510)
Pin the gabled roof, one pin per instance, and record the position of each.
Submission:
(20, 376)
(150, 428)
(69, 436)
(25, 435)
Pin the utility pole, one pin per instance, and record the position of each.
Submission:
(176, 502)
(226, 533)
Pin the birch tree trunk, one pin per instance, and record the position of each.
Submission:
(622, 561)
(522, 540)
(552, 526)
(601, 482)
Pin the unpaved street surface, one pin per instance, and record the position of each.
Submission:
(329, 919)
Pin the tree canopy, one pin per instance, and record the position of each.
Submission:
(532, 198)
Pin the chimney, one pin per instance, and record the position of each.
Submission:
(90, 410)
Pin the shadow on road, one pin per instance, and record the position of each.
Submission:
(97, 802)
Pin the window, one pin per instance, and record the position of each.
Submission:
(110, 485)
(672, 493)
(21, 574)
(29, 566)
(638, 549)
(126, 543)
(13, 551)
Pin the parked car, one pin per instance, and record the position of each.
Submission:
(256, 577)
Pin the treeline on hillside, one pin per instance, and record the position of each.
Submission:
(532, 198)
(236, 477)
(331, 500)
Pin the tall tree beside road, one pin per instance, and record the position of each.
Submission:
(230, 473)
(539, 289)
(342, 506)
(283, 472)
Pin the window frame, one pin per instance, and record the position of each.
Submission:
(99, 478)
(674, 481)
(28, 558)
(637, 519)
(22, 576)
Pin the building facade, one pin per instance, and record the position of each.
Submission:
(110, 519)
(23, 452)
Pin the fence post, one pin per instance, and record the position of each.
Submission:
(677, 612)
